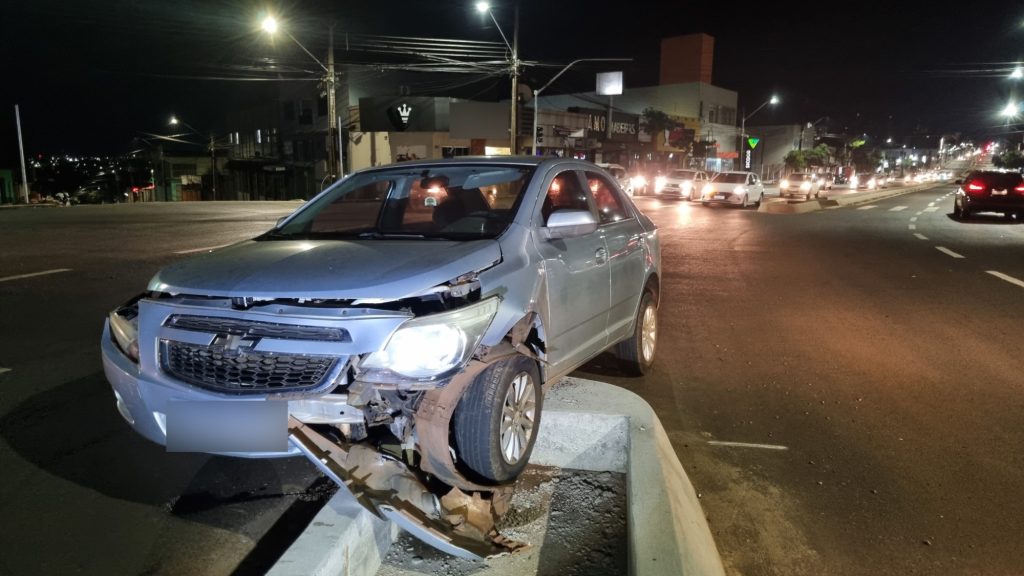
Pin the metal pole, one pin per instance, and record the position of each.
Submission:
(332, 113)
(21, 156)
(341, 152)
(514, 132)
(213, 167)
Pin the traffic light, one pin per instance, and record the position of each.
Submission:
(539, 137)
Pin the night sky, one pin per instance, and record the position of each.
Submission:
(91, 75)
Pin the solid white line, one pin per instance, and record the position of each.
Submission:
(867, 207)
(746, 445)
(34, 274)
(1009, 279)
(897, 208)
(921, 236)
(948, 252)
(912, 227)
(207, 249)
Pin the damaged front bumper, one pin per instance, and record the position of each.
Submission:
(192, 352)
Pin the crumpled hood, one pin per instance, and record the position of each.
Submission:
(329, 269)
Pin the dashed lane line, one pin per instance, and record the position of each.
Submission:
(2, 370)
(921, 236)
(1007, 278)
(207, 249)
(34, 274)
(949, 252)
(914, 219)
(747, 445)
(898, 208)
(911, 226)
(931, 209)
(867, 207)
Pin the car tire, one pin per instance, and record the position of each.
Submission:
(760, 198)
(496, 422)
(636, 353)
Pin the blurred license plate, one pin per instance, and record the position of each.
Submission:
(719, 196)
(227, 426)
(999, 192)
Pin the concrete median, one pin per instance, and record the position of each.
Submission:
(784, 206)
(586, 425)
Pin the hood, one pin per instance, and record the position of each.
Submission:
(329, 269)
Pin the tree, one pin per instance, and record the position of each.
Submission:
(796, 160)
(656, 121)
(818, 156)
(1009, 159)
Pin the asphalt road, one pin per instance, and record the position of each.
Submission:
(876, 378)
(871, 359)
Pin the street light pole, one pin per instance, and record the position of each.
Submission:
(536, 93)
(513, 133)
(744, 117)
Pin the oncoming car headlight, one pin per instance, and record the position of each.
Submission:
(430, 347)
(124, 328)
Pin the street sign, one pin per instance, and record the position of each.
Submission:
(752, 142)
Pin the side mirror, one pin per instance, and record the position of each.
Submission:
(569, 224)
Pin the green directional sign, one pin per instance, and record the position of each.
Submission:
(752, 142)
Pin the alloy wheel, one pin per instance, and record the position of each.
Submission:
(517, 417)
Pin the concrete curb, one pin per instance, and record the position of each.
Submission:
(585, 425)
(782, 206)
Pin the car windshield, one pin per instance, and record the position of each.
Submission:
(731, 178)
(452, 202)
(684, 174)
(800, 176)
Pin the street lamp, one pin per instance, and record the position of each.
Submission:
(743, 120)
(536, 93)
(271, 26)
(1017, 73)
(513, 133)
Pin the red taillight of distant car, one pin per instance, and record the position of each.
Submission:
(1019, 189)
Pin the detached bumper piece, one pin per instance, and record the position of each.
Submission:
(457, 523)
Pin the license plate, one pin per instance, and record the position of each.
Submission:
(227, 426)
(999, 192)
(719, 196)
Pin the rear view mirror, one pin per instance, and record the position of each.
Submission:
(569, 224)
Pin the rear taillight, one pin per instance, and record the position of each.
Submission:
(975, 186)
(1019, 189)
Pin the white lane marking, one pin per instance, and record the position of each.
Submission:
(897, 208)
(34, 274)
(867, 207)
(933, 203)
(921, 236)
(1006, 277)
(2, 370)
(208, 248)
(948, 252)
(932, 209)
(747, 445)
(912, 227)
(914, 219)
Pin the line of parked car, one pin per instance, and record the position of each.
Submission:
(733, 188)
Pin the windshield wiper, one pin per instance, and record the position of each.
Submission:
(389, 236)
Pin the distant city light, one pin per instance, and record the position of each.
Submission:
(774, 100)
(1011, 109)
(1017, 73)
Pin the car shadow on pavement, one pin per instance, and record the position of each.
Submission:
(986, 218)
(74, 432)
(603, 365)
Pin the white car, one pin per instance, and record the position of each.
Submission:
(681, 184)
(740, 189)
(620, 174)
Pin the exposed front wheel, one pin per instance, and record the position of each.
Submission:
(636, 353)
(495, 424)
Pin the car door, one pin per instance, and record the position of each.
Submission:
(577, 277)
(755, 188)
(623, 235)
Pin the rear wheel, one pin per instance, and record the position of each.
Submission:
(760, 198)
(495, 424)
(636, 353)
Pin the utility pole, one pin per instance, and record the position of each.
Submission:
(213, 166)
(21, 156)
(514, 132)
(332, 113)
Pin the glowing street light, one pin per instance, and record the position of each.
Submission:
(1011, 110)
(1017, 73)
(269, 25)
(513, 47)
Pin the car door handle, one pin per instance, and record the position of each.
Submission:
(601, 255)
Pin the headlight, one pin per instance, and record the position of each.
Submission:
(854, 181)
(638, 181)
(739, 189)
(430, 347)
(659, 183)
(124, 329)
(707, 189)
(805, 185)
(784, 184)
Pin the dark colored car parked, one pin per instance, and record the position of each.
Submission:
(990, 191)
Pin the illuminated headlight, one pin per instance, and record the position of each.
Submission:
(854, 181)
(707, 190)
(805, 185)
(739, 189)
(124, 329)
(638, 181)
(659, 183)
(784, 184)
(431, 347)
